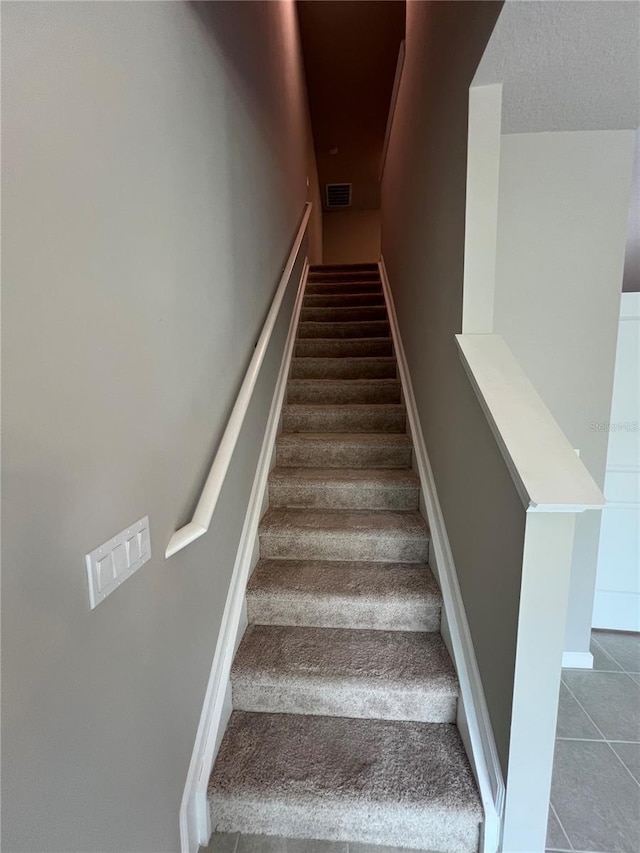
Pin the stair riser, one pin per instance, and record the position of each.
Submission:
(325, 455)
(335, 699)
(365, 329)
(348, 348)
(337, 419)
(328, 392)
(342, 289)
(342, 496)
(355, 545)
(343, 368)
(313, 611)
(401, 826)
(328, 300)
(355, 313)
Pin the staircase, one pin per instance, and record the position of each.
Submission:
(344, 695)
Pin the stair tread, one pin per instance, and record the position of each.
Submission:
(353, 594)
(338, 348)
(344, 417)
(326, 288)
(343, 329)
(394, 439)
(347, 367)
(358, 340)
(342, 323)
(355, 359)
(397, 477)
(378, 523)
(318, 300)
(356, 488)
(360, 407)
(350, 579)
(379, 450)
(392, 658)
(363, 265)
(345, 382)
(344, 275)
(359, 777)
(343, 313)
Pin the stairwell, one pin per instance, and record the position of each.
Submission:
(344, 695)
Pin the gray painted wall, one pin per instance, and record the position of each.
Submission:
(423, 220)
(562, 221)
(153, 178)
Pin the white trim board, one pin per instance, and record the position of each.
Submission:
(473, 715)
(544, 467)
(195, 828)
(577, 660)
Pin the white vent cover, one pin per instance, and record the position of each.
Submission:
(338, 195)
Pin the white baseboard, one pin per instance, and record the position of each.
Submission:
(195, 828)
(615, 610)
(577, 660)
(473, 716)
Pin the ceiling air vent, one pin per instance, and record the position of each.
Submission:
(338, 195)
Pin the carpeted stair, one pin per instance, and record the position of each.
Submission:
(344, 695)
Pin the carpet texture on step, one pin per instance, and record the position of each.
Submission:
(375, 781)
(389, 675)
(376, 536)
(335, 594)
(344, 450)
(345, 488)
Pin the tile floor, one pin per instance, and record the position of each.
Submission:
(236, 843)
(595, 794)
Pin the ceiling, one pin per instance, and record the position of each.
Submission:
(566, 65)
(350, 53)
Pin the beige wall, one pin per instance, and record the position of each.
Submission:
(562, 223)
(423, 218)
(351, 236)
(154, 174)
(313, 195)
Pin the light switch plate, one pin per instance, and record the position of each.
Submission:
(115, 561)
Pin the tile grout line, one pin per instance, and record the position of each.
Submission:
(560, 824)
(596, 671)
(609, 655)
(603, 737)
(605, 653)
(600, 740)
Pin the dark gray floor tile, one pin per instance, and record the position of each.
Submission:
(630, 754)
(555, 835)
(275, 844)
(611, 699)
(624, 647)
(595, 798)
(572, 720)
(221, 842)
(601, 659)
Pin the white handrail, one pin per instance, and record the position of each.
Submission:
(546, 471)
(203, 514)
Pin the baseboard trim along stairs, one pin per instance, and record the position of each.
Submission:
(342, 712)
